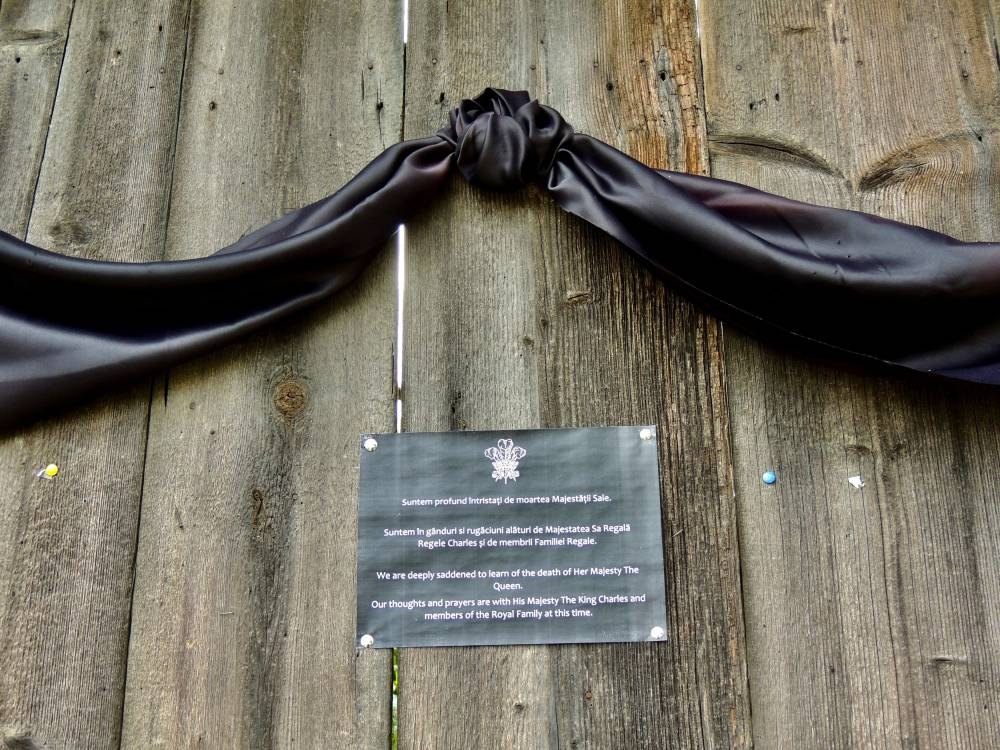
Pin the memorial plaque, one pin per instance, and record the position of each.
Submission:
(518, 536)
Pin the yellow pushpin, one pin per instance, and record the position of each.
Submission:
(49, 472)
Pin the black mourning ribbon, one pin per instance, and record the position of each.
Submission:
(834, 281)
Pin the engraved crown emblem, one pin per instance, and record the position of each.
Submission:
(505, 457)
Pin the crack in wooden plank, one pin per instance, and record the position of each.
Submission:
(763, 148)
(29, 37)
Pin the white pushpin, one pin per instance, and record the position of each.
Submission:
(856, 482)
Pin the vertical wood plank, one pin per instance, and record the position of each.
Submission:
(243, 627)
(519, 316)
(870, 613)
(68, 544)
(32, 41)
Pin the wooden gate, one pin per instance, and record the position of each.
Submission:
(187, 580)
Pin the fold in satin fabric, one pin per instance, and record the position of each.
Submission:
(836, 281)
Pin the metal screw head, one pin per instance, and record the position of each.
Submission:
(367, 640)
(646, 433)
(657, 633)
(371, 444)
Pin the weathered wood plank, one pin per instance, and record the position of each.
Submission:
(32, 40)
(243, 626)
(67, 545)
(519, 316)
(871, 617)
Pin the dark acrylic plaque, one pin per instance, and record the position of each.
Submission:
(518, 536)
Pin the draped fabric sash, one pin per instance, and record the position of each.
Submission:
(835, 281)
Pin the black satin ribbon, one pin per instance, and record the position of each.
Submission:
(836, 281)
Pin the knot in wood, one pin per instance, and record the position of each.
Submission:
(289, 397)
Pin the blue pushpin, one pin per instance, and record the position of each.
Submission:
(769, 477)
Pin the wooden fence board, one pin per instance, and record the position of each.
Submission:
(68, 544)
(869, 614)
(32, 40)
(520, 316)
(244, 604)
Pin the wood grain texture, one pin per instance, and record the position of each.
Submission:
(243, 626)
(67, 546)
(32, 41)
(520, 316)
(870, 614)
(871, 617)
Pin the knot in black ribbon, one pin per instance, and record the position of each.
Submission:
(504, 139)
